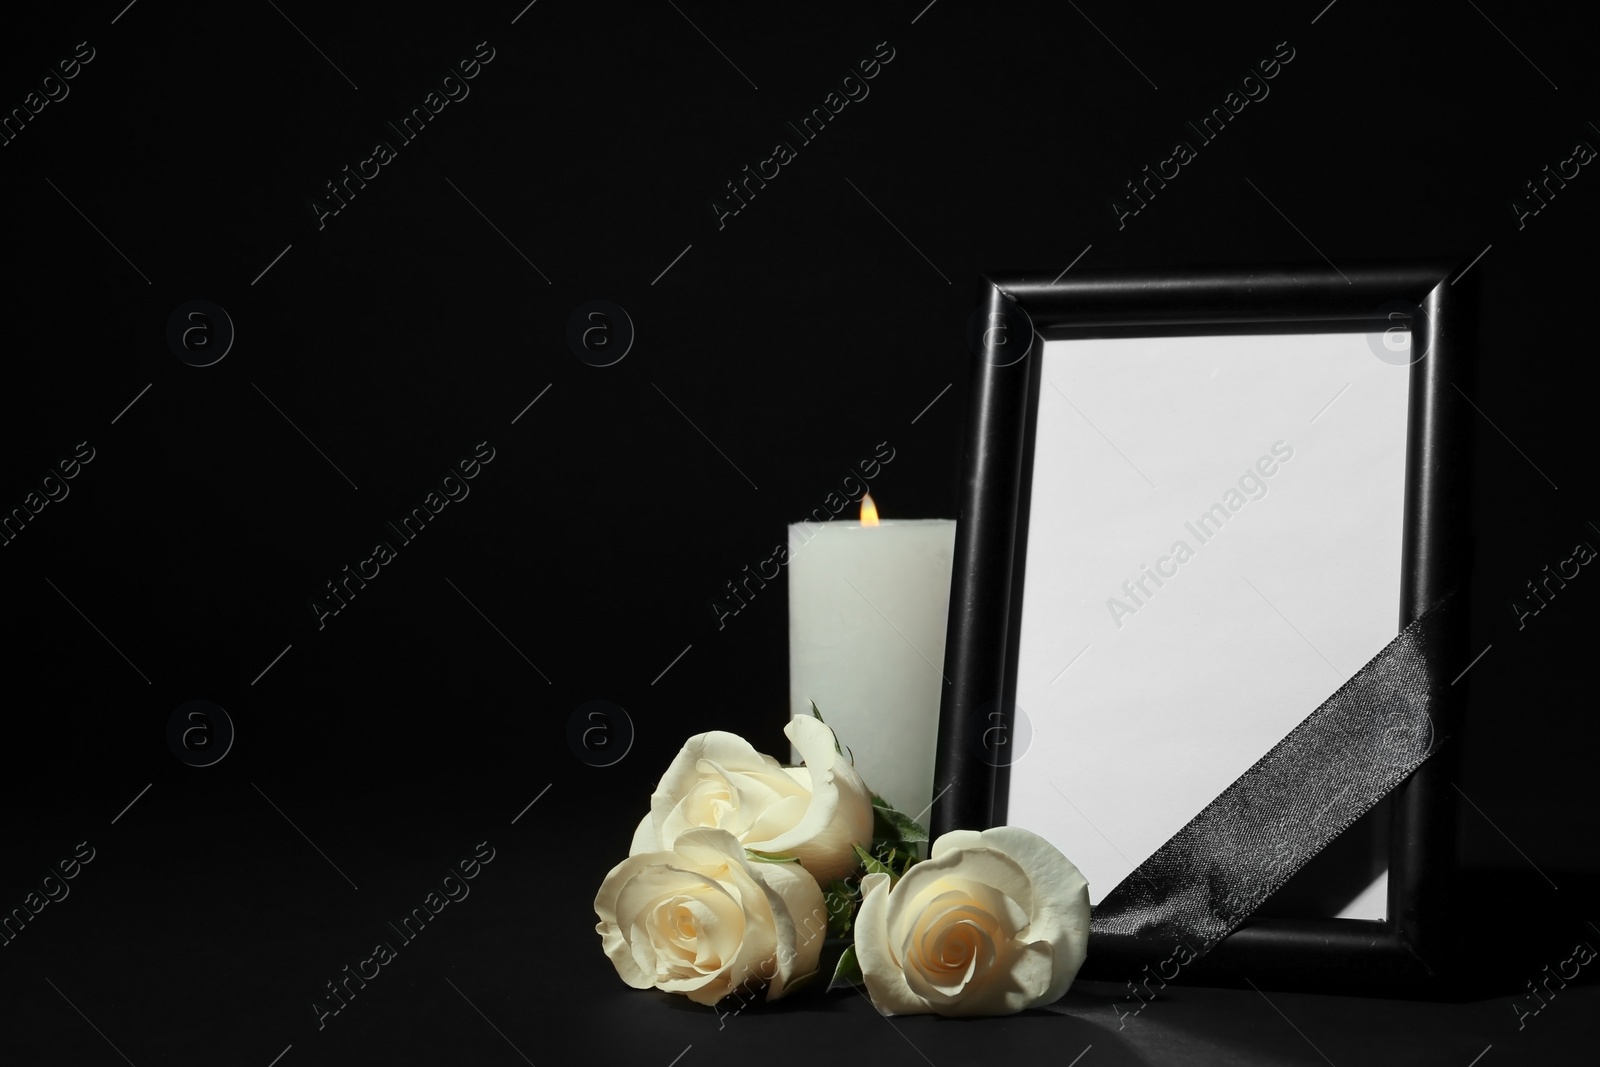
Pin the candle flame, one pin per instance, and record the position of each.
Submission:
(869, 510)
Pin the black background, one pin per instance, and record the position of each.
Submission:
(818, 322)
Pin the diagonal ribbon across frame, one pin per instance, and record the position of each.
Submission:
(1325, 774)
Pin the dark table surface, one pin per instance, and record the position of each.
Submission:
(205, 925)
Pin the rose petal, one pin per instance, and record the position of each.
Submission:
(718, 929)
(840, 812)
(708, 869)
(800, 918)
(643, 952)
(785, 917)
(921, 885)
(1019, 980)
(775, 821)
(710, 801)
(681, 776)
(717, 779)
(986, 860)
(928, 912)
(994, 922)
(1060, 913)
(881, 970)
(721, 857)
(940, 985)
(640, 974)
(1010, 920)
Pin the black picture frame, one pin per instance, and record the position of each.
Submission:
(1409, 952)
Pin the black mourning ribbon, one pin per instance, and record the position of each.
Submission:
(1340, 761)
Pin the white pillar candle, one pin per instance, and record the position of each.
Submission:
(867, 607)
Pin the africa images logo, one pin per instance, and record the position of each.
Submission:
(1253, 482)
(852, 88)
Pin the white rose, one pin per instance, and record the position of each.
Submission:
(703, 920)
(815, 813)
(992, 923)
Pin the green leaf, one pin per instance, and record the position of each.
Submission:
(841, 901)
(770, 857)
(848, 972)
(872, 864)
(802, 982)
(895, 859)
(820, 719)
(891, 825)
